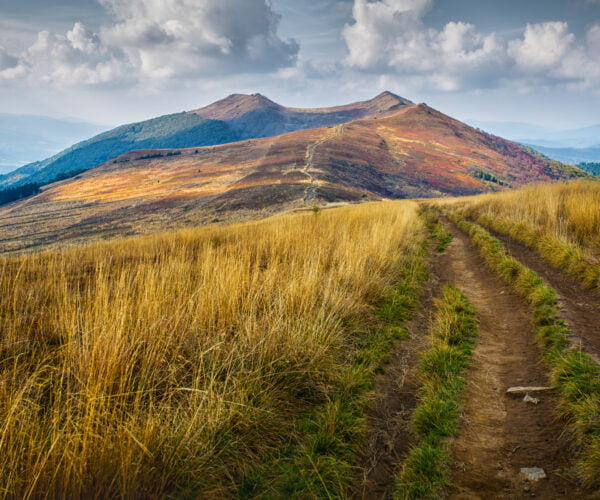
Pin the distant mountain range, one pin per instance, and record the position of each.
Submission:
(26, 138)
(568, 146)
(385, 148)
(238, 117)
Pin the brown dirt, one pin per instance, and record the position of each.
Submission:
(395, 400)
(499, 434)
(580, 306)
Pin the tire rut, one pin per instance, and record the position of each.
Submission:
(390, 435)
(580, 306)
(499, 434)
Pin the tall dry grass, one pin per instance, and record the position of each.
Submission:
(561, 221)
(168, 365)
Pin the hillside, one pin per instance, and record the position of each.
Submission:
(413, 152)
(232, 119)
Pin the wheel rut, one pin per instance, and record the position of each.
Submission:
(390, 435)
(501, 434)
(580, 306)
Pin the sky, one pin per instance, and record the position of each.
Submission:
(118, 61)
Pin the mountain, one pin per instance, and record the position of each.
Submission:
(27, 138)
(235, 118)
(411, 151)
(570, 155)
(568, 146)
(580, 138)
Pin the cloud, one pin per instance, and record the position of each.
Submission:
(190, 38)
(6, 60)
(542, 47)
(390, 37)
(160, 42)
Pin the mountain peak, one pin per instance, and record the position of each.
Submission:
(387, 101)
(234, 106)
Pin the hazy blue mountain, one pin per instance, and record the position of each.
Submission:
(234, 118)
(581, 138)
(569, 155)
(28, 138)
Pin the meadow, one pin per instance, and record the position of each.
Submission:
(170, 365)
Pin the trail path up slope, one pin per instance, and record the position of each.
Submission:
(310, 162)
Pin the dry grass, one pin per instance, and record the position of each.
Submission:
(168, 365)
(561, 221)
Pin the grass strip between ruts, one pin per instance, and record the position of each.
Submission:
(426, 470)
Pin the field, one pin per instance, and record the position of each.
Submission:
(170, 365)
(362, 351)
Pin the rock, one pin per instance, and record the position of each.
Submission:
(527, 390)
(533, 473)
(529, 399)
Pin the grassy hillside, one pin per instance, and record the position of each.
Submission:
(170, 365)
(171, 131)
(413, 152)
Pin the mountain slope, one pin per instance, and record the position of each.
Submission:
(232, 119)
(415, 151)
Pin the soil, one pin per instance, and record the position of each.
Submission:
(500, 434)
(390, 436)
(580, 306)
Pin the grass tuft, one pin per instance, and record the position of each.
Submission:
(436, 229)
(322, 459)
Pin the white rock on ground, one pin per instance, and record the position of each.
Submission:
(533, 473)
(527, 390)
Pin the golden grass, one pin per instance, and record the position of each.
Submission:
(561, 221)
(168, 365)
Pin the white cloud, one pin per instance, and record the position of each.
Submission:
(542, 47)
(159, 42)
(389, 36)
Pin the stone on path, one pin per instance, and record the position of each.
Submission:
(529, 399)
(533, 473)
(527, 390)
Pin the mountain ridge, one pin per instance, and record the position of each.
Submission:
(237, 117)
(409, 152)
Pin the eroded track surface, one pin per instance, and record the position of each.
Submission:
(500, 434)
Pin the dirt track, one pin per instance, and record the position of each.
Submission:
(580, 306)
(501, 434)
(498, 434)
(389, 421)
